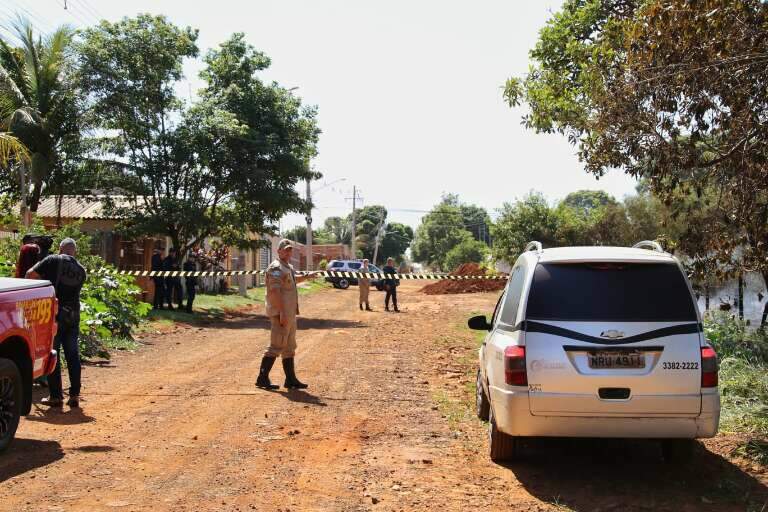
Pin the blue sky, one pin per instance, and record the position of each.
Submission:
(409, 93)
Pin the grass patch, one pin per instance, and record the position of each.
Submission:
(456, 411)
(743, 354)
(121, 344)
(210, 308)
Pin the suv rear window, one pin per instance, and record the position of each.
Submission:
(626, 292)
(337, 264)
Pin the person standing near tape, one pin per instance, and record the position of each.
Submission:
(390, 284)
(364, 285)
(282, 308)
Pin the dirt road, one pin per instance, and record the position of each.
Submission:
(385, 425)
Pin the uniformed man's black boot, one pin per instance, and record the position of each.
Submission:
(262, 381)
(291, 382)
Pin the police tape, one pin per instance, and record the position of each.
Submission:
(316, 273)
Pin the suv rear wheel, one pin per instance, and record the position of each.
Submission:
(11, 398)
(677, 450)
(482, 404)
(343, 283)
(503, 447)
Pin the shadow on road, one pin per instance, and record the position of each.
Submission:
(28, 454)
(298, 395)
(56, 416)
(608, 474)
(261, 321)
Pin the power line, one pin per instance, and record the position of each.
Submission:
(91, 9)
(31, 16)
(68, 8)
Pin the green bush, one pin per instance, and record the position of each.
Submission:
(743, 355)
(110, 304)
(468, 251)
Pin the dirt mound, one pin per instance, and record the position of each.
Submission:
(449, 286)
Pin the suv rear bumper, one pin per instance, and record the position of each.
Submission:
(511, 411)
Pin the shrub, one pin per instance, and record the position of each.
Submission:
(743, 357)
(468, 251)
(110, 304)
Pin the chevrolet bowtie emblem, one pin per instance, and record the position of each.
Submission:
(613, 334)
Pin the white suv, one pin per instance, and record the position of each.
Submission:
(596, 342)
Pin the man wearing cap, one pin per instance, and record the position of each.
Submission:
(282, 308)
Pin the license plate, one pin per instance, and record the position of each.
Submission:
(607, 360)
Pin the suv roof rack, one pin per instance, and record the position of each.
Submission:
(534, 245)
(649, 244)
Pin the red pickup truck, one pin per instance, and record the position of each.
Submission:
(27, 326)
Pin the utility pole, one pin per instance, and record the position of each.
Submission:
(379, 235)
(354, 222)
(310, 263)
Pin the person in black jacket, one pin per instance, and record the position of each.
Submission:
(157, 264)
(173, 284)
(191, 281)
(391, 285)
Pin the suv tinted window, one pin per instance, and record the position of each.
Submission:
(337, 264)
(355, 265)
(628, 292)
(514, 291)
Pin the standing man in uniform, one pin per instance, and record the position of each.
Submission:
(282, 308)
(191, 281)
(390, 284)
(173, 284)
(157, 265)
(364, 285)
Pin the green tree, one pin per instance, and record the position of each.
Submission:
(396, 240)
(298, 234)
(40, 106)
(529, 218)
(440, 231)
(640, 86)
(227, 166)
(337, 230)
(468, 251)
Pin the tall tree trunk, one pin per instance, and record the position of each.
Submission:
(765, 306)
(741, 296)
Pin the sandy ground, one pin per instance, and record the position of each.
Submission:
(179, 425)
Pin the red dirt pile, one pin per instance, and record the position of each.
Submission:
(449, 286)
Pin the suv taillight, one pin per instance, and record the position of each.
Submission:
(708, 367)
(514, 366)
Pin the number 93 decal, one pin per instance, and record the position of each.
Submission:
(680, 365)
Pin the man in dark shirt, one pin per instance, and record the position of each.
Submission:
(173, 284)
(67, 277)
(157, 264)
(191, 281)
(390, 285)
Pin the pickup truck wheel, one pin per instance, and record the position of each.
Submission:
(481, 400)
(503, 447)
(343, 283)
(11, 398)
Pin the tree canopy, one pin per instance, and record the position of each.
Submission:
(640, 86)
(225, 166)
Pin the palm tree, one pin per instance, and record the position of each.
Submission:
(12, 150)
(36, 100)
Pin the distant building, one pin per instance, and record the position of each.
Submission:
(134, 253)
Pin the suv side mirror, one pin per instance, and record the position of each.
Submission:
(479, 323)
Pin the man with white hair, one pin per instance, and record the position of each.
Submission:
(67, 277)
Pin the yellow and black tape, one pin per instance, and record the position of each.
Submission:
(318, 273)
